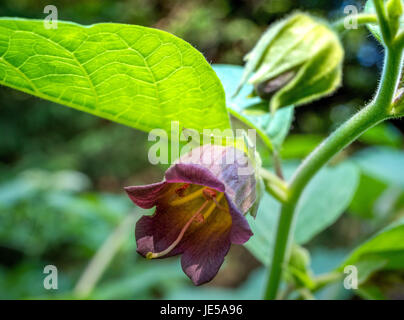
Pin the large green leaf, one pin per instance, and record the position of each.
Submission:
(382, 163)
(387, 245)
(264, 229)
(325, 199)
(141, 77)
(366, 196)
(299, 146)
(384, 134)
(252, 109)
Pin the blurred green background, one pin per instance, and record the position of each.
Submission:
(62, 172)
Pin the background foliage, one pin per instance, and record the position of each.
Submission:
(62, 171)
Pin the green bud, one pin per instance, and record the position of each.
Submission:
(298, 269)
(394, 11)
(296, 61)
(299, 257)
(395, 8)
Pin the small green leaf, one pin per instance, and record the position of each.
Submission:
(325, 199)
(276, 127)
(230, 76)
(387, 245)
(382, 163)
(141, 77)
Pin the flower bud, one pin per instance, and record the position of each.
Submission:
(296, 61)
(299, 257)
(394, 8)
(298, 269)
(394, 11)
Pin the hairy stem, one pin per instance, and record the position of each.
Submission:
(383, 19)
(361, 19)
(368, 117)
(274, 185)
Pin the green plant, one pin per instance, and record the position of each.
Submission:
(146, 79)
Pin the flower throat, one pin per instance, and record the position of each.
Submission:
(211, 197)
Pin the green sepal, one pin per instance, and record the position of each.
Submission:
(259, 194)
(297, 60)
(256, 162)
(312, 82)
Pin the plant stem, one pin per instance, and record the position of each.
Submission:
(383, 19)
(365, 119)
(103, 257)
(325, 279)
(274, 185)
(362, 19)
(306, 294)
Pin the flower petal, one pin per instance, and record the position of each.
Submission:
(240, 229)
(204, 249)
(227, 165)
(203, 244)
(146, 196)
(201, 263)
(156, 233)
(194, 174)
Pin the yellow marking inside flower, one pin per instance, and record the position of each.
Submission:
(153, 255)
(187, 198)
(213, 206)
(211, 196)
